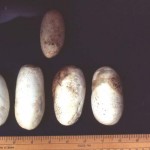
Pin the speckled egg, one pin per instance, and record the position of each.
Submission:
(4, 101)
(52, 33)
(68, 92)
(30, 97)
(107, 96)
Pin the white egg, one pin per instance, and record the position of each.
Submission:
(107, 96)
(69, 93)
(4, 101)
(30, 97)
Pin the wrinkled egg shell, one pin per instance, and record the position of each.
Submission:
(4, 101)
(30, 97)
(52, 33)
(107, 97)
(69, 93)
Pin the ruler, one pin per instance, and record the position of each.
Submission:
(84, 142)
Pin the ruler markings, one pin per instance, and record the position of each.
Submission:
(69, 143)
(85, 142)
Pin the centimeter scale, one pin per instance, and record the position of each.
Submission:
(83, 142)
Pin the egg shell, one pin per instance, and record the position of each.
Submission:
(68, 92)
(107, 96)
(52, 33)
(4, 101)
(30, 97)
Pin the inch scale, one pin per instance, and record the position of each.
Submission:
(83, 142)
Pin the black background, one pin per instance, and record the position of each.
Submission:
(113, 33)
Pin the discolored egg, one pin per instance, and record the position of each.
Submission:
(30, 97)
(52, 33)
(4, 101)
(68, 92)
(107, 96)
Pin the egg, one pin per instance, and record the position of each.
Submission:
(52, 33)
(30, 97)
(4, 101)
(68, 92)
(107, 96)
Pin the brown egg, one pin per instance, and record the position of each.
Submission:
(52, 33)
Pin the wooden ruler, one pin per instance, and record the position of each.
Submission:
(85, 142)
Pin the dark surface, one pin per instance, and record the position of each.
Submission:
(98, 33)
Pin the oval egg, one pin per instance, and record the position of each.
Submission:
(68, 93)
(4, 101)
(107, 97)
(30, 97)
(52, 33)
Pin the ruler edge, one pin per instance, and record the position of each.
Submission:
(18, 137)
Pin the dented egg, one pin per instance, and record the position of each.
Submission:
(68, 92)
(107, 96)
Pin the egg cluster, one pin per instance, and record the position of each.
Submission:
(68, 88)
